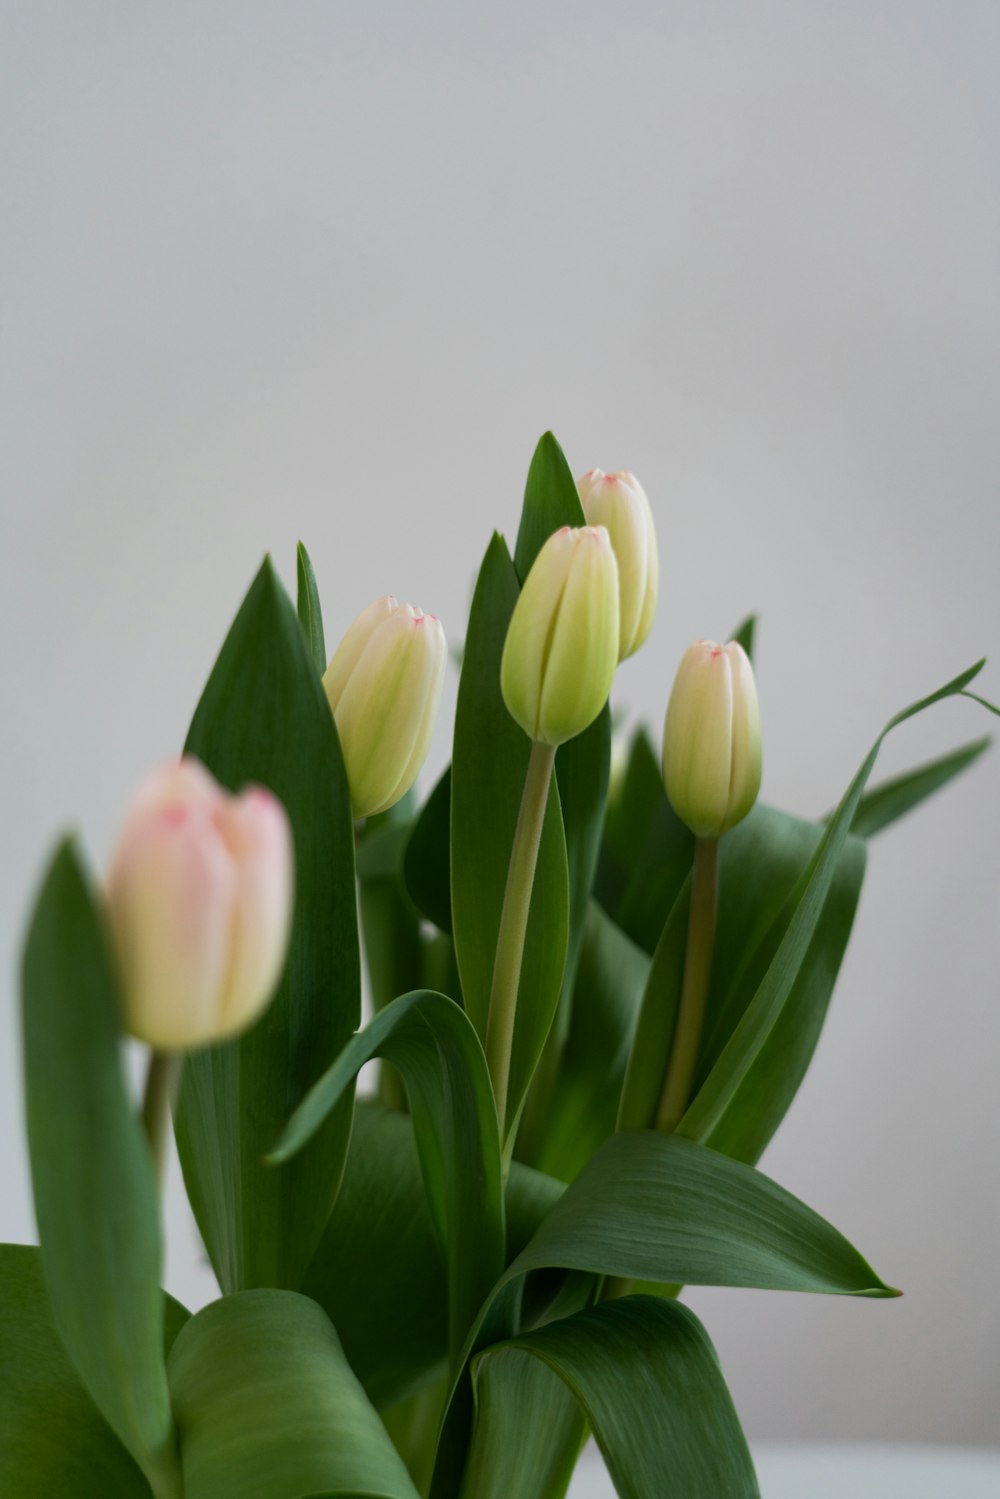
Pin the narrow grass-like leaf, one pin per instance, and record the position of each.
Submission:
(892, 799)
(432, 1044)
(264, 717)
(268, 1407)
(310, 612)
(488, 771)
(53, 1440)
(749, 1037)
(94, 1186)
(647, 1379)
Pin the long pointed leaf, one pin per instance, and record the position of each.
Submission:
(95, 1191)
(264, 717)
(309, 609)
(648, 1380)
(758, 1021)
(892, 799)
(433, 1046)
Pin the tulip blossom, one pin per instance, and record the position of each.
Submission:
(200, 900)
(711, 738)
(618, 502)
(561, 649)
(384, 686)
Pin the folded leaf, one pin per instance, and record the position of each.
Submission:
(646, 1377)
(95, 1191)
(432, 1044)
(264, 717)
(268, 1408)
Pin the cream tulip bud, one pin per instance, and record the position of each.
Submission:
(561, 649)
(384, 685)
(200, 900)
(618, 501)
(711, 738)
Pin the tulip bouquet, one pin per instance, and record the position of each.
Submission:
(595, 993)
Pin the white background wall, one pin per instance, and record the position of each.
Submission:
(327, 270)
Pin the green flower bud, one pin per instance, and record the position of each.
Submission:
(618, 501)
(711, 738)
(562, 643)
(384, 686)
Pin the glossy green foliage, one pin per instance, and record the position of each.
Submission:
(92, 1174)
(432, 1044)
(268, 1407)
(264, 717)
(488, 772)
(646, 1377)
(53, 1440)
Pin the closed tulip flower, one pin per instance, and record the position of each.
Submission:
(711, 739)
(200, 900)
(561, 649)
(384, 685)
(618, 502)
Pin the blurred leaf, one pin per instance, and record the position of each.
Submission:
(268, 1408)
(892, 799)
(609, 984)
(310, 612)
(746, 1043)
(53, 1441)
(264, 717)
(95, 1191)
(654, 1030)
(379, 1271)
(488, 772)
(551, 501)
(647, 852)
(432, 1044)
(648, 1380)
(427, 859)
(745, 633)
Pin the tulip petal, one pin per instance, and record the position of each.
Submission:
(580, 664)
(256, 831)
(697, 739)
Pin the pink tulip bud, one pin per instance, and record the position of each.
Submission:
(200, 899)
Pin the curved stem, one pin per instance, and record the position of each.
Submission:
(694, 990)
(162, 1082)
(514, 923)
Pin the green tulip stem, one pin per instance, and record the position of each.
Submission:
(514, 923)
(162, 1083)
(694, 990)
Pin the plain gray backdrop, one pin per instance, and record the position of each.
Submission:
(328, 270)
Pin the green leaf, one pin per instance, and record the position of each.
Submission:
(310, 612)
(647, 852)
(379, 1272)
(53, 1440)
(745, 633)
(268, 1407)
(488, 771)
(892, 799)
(610, 980)
(648, 1381)
(551, 500)
(427, 860)
(662, 1209)
(654, 1029)
(95, 1191)
(264, 717)
(432, 1044)
(750, 1036)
